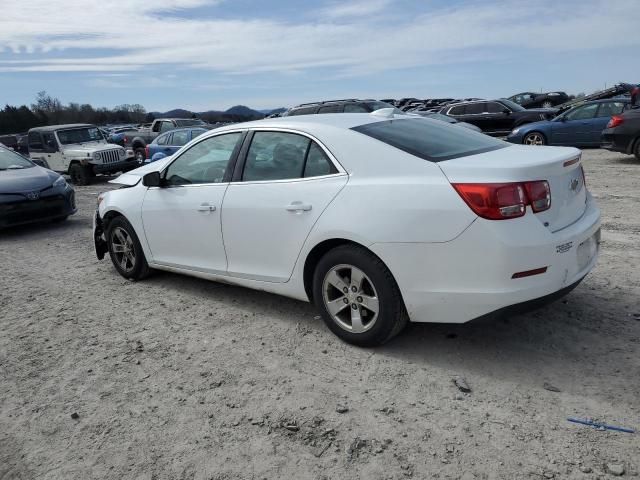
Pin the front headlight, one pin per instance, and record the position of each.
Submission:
(60, 182)
(96, 156)
(121, 152)
(515, 131)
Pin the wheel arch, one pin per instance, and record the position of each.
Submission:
(540, 132)
(318, 251)
(138, 142)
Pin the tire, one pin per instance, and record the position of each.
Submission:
(636, 149)
(125, 250)
(80, 174)
(547, 104)
(377, 300)
(140, 155)
(60, 219)
(534, 138)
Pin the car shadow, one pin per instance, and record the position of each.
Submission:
(570, 342)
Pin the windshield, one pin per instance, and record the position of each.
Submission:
(79, 135)
(12, 161)
(512, 105)
(430, 139)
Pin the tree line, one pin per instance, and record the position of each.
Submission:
(48, 110)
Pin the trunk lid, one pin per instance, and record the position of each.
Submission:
(559, 166)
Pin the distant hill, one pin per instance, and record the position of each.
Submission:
(238, 113)
(273, 110)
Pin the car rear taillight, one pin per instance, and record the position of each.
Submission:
(125, 139)
(501, 201)
(615, 121)
(146, 151)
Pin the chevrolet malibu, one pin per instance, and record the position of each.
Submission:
(379, 219)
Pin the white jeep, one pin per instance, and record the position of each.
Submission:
(79, 150)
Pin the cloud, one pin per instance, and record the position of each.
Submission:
(138, 35)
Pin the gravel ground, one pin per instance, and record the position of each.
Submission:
(180, 378)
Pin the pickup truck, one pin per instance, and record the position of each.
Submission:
(136, 141)
(79, 150)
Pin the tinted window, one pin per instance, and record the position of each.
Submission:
(302, 111)
(459, 110)
(35, 142)
(275, 156)
(166, 126)
(513, 106)
(494, 107)
(205, 162)
(430, 139)
(189, 122)
(317, 162)
(609, 109)
(583, 113)
(354, 108)
(180, 138)
(475, 108)
(163, 139)
(331, 109)
(49, 141)
(79, 135)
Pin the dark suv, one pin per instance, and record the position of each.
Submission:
(351, 105)
(496, 117)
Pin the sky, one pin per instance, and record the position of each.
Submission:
(213, 54)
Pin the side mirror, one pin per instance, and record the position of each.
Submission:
(152, 179)
(506, 111)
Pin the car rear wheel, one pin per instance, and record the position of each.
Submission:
(125, 250)
(80, 174)
(358, 297)
(534, 138)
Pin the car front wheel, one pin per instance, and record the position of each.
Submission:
(125, 250)
(80, 174)
(358, 297)
(534, 138)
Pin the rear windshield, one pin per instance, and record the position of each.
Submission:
(430, 139)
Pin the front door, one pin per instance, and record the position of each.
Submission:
(605, 111)
(182, 218)
(574, 130)
(287, 182)
(52, 153)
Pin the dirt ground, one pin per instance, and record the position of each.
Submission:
(180, 378)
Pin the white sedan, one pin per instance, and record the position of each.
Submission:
(379, 219)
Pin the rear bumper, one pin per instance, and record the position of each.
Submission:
(615, 142)
(471, 276)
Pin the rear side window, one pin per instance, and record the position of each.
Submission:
(331, 109)
(180, 138)
(163, 139)
(609, 109)
(302, 111)
(430, 139)
(354, 108)
(475, 108)
(35, 142)
(284, 156)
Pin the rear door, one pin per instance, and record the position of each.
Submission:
(575, 128)
(285, 183)
(605, 111)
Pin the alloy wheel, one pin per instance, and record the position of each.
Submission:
(534, 139)
(123, 249)
(350, 298)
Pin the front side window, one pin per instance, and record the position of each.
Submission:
(166, 126)
(429, 140)
(494, 107)
(475, 108)
(79, 135)
(49, 141)
(204, 162)
(275, 156)
(585, 112)
(180, 138)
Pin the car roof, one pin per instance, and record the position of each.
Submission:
(309, 123)
(480, 100)
(53, 128)
(330, 102)
(606, 100)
